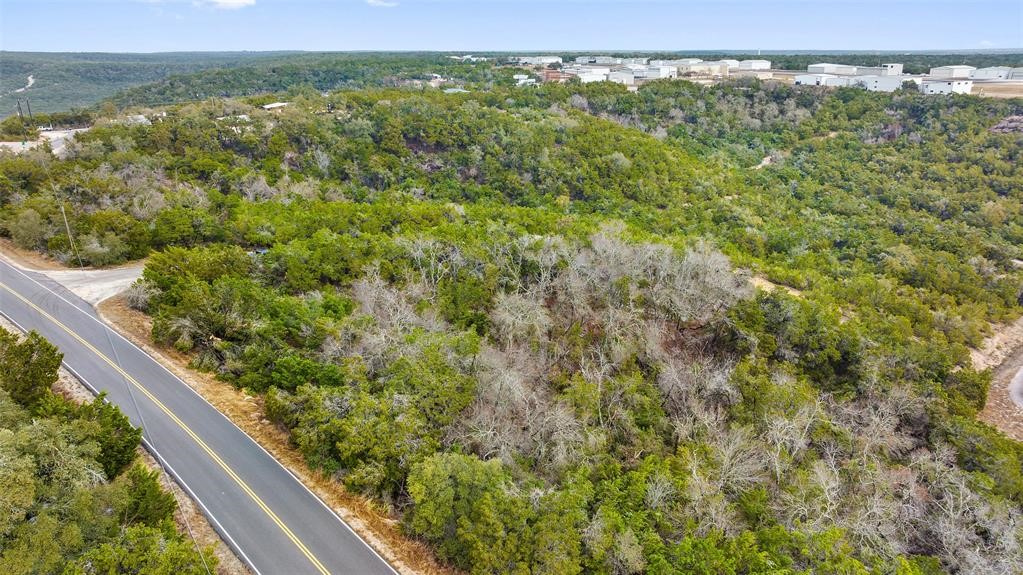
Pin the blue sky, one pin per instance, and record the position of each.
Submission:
(464, 25)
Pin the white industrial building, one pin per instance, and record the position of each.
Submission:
(755, 65)
(605, 60)
(1016, 74)
(949, 86)
(878, 83)
(840, 81)
(733, 64)
(676, 62)
(704, 69)
(587, 74)
(829, 80)
(882, 70)
(654, 72)
(813, 79)
(540, 60)
(524, 80)
(828, 68)
(622, 77)
(992, 73)
(951, 72)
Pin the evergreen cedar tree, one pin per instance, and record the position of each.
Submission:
(74, 500)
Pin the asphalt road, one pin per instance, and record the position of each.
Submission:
(271, 520)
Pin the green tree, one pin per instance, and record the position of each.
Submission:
(148, 503)
(144, 550)
(117, 437)
(28, 368)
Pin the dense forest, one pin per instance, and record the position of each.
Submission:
(74, 500)
(62, 81)
(528, 320)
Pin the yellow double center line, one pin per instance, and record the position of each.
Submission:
(209, 451)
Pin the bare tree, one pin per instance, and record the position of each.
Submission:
(520, 319)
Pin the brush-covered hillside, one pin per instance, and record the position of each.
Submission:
(576, 329)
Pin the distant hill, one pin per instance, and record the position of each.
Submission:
(62, 81)
(322, 71)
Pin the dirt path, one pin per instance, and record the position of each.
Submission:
(31, 81)
(1003, 354)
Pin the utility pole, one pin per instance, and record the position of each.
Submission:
(70, 239)
(20, 115)
(29, 106)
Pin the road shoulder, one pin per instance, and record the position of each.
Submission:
(188, 517)
(370, 522)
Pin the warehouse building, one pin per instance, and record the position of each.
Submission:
(622, 77)
(828, 68)
(655, 72)
(951, 72)
(755, 65)
(992, 73)
(1016, 74)
(676, 62)
(950, 86)
(813, 79)
(587, 74)
(878, 83)
(540, 60)
(704, 69)
(604, 60)
(890, 69)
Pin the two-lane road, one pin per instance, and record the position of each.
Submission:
(271, 520)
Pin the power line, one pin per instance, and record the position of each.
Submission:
(70, 239)
(152, 441)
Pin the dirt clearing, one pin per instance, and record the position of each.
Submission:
(999, 89)
(91, 284)
(96, 285)
(1003, 354)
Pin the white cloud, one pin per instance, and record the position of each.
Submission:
(382, 3)
(986, 44)
(229, 4)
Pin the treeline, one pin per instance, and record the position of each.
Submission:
(74, 500)
(523, 319)
(66, 81)
(321, 72)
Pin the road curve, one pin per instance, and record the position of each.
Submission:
(271, 520)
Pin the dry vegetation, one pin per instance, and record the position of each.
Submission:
(369, 521)
(28, 259)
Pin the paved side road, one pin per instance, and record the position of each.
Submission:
(271, 520)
